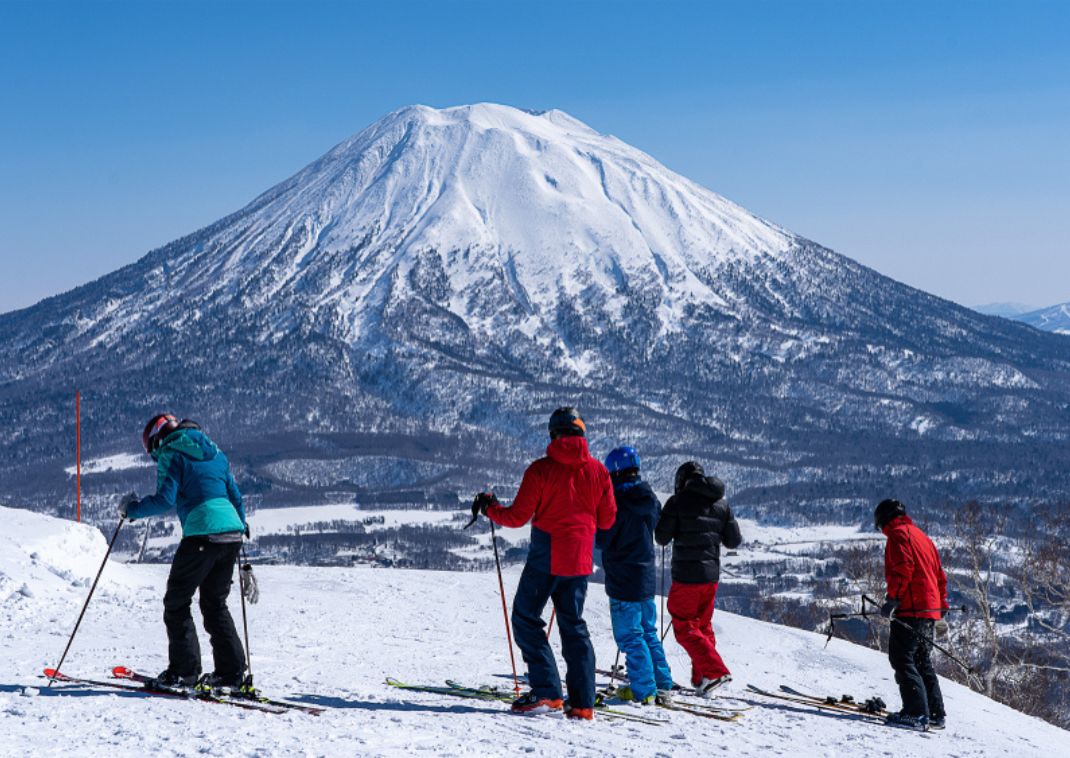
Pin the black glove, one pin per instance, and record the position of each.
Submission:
(890, 606)
(124, 505)
(483, 501)
(248, 534)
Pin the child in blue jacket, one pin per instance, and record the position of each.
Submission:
(628, 560)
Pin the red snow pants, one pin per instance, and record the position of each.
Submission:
(691, 608)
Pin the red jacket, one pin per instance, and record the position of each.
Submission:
(913, 571)
(570, 495)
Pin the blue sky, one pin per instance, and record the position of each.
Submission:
(929, 140)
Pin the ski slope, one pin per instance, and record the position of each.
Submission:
(330, 637)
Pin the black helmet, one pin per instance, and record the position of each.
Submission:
(686, 472)
(159, 426)
(566, 422)
(886, 511)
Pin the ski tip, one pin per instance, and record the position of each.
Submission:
(52, 674)
(122, 672)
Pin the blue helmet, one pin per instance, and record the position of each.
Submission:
(622, 459)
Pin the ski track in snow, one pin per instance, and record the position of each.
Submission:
(329, 636)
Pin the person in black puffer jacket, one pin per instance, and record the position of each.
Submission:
(697, 520)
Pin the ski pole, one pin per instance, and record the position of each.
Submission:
(966, 667)
(245, 619)
(663, 592)
(550, 626)
(59, 666)
(613, 671)
(505, 609)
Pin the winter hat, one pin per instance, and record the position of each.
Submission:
(886, 511)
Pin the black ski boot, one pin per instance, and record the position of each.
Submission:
(169, 680)
(906, 721)
(232, 684)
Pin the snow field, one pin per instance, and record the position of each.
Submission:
(330, 637)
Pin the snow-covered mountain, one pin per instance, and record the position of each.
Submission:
(1006, 310)
(331, 636)
(395, 321)
(1053, 319)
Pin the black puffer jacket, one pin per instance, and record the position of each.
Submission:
(697, 520)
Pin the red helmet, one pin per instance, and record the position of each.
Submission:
(159, 426)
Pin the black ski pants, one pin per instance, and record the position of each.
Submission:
(909, 651)
(201, 564)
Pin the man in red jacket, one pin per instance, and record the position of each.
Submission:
(917, 597)
(567, 496)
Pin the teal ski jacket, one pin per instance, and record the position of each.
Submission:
(193, 477)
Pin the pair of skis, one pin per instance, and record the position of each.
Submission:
(872, 710)
(494, 694)
(131, 681)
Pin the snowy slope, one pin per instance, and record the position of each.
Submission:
(330, 636)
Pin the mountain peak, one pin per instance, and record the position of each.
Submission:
(491, 116)
(539, 195)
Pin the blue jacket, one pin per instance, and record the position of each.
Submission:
(193, 477)
(628, 546)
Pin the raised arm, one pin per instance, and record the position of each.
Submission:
(524, 504)
(666, 528)
(168, 474)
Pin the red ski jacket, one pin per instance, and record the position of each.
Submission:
(913, 571)
(570, 496)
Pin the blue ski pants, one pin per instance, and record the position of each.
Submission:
(635, 628)
(568, 593)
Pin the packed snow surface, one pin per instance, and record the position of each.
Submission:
(330, 637)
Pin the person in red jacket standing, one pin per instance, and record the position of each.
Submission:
(567, 496)
(916, 599)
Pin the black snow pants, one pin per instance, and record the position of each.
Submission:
(909, 651)
(201, 564)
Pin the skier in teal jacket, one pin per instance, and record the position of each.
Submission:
(193, 478)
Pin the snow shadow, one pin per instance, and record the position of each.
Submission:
(71, 690)
(327, 701)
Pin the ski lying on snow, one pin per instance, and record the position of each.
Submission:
(821, 705)
(874, 705)
(163, 692)
(124, 673)
(491, 694)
